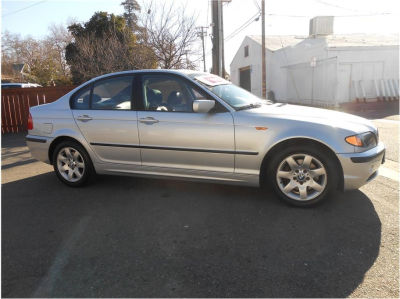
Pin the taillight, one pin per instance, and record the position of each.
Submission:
(30, 122)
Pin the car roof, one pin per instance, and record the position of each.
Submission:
(168, 71)
(205, 78)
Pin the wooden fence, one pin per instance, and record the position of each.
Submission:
(15, 105)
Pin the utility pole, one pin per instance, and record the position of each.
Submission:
(216, 58)
(263, 62)
(187, 59)
(222, 49)
(218, 65)
(202, 34)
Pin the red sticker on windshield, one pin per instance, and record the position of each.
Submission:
(212, 80)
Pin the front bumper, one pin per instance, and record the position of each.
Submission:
(39, 147)
(361, 168)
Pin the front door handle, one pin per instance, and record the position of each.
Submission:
(148, 120)
(84, 118)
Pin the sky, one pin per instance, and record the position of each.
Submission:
(283, 17)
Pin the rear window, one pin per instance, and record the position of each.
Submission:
(81, 100)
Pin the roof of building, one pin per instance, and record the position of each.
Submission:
(357, 40)
(276, 42)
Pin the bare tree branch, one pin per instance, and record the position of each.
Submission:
(171, 34)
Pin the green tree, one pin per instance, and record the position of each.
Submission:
(130, 8)
(105, 44)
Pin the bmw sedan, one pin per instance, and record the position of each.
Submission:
(198, 126)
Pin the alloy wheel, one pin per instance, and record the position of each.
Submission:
(301, 177)
(70, 164)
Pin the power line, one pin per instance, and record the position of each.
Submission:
(339, 16)
(366, 15)
(24, 8)
(243, 26)
(239, 29)
(362, 13)
(256, 4)
(335, 5)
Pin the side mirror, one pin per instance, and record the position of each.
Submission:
(203, 106)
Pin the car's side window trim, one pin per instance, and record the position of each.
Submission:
(90, 97)
(138, 93)
(135, 78)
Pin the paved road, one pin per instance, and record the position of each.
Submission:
(130, 237)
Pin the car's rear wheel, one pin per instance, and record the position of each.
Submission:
(72, 164)
(303, 176)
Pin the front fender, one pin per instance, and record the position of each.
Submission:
(249, 138)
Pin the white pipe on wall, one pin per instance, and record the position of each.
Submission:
(355, 89)
(383, 89)
(389, 92)
(392, 91)
(378, 96)
(396, 88)
(361, 82)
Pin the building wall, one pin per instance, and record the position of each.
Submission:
(254, 61)
(311, 72)
(366, 67)
(297, 80)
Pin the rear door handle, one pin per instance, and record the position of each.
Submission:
(84, 118)
(148, 120)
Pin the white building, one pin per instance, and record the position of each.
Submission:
(322, 69)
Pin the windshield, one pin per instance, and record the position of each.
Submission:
(233, 95)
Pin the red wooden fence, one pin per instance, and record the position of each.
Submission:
(15, 103)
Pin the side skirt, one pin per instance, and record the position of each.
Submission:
(179, 174)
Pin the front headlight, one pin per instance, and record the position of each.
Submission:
(365, 140)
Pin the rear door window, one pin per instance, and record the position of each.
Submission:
(113, 94)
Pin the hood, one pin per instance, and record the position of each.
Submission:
(314, 115)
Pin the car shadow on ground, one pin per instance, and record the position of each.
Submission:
(131, 237)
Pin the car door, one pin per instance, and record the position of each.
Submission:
(104, 113)
(173, 136)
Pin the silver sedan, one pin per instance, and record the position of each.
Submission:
(198, 126)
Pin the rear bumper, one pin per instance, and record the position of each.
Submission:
(361, 168)
(39, 147)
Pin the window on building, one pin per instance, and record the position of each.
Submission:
(246, 51)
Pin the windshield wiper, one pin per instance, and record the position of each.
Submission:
(249, 106)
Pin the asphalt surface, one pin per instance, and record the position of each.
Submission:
(132, 237)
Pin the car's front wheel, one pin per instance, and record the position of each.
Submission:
(72, 164)
(303, 176)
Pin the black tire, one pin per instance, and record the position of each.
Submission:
(316, 152)
(88, 172)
